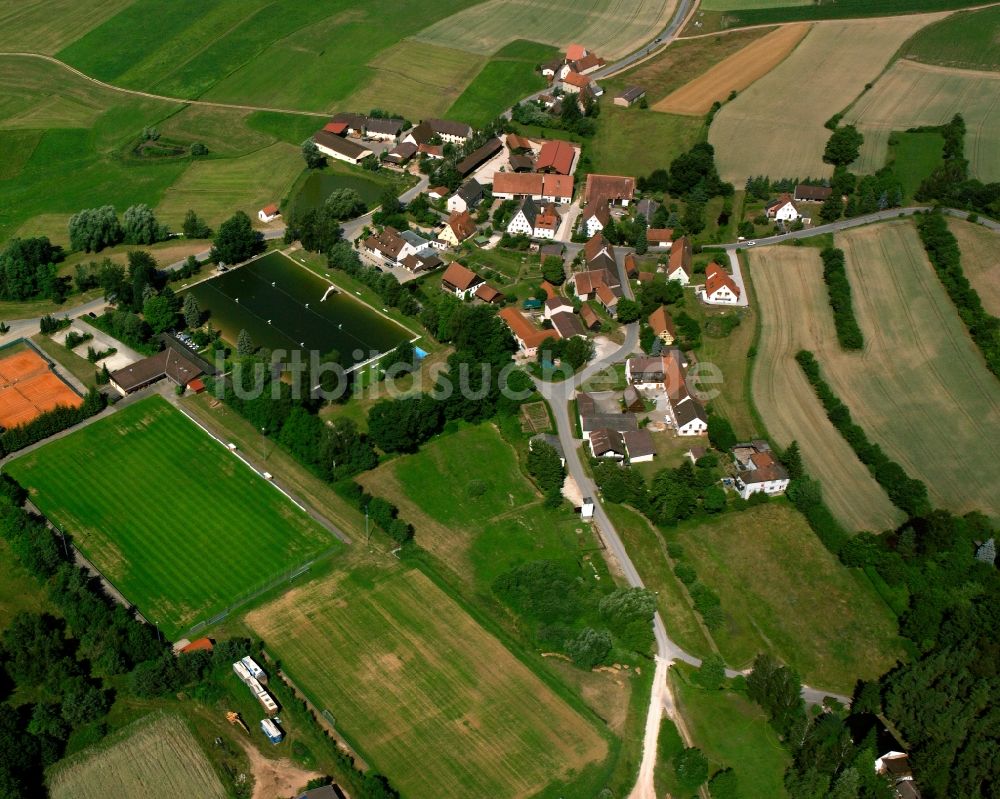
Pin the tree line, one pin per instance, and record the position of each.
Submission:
(838, 289)
(907, 493)
(943, 252)
(950, 183)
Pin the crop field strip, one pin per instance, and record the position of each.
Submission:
(611, 28)
(980, 262)
(735, 73)
(912, 94)
(156, 520)
(796, 314)
(437, 704)
(44, 26)
(921, 389)
(155, 756)
(827, 70)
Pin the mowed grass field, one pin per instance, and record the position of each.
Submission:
(967, 40)
(980, 263)
(155, 756)
(178, 524)
(920, 388)
(795, 314)
(506, 78)
(734, 73)
(912, 94)
(416, 79)
(912, 157)
(429, 698)
(611, 28)
(825, 72)
(783, 592)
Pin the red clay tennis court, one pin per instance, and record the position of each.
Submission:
(29, 388)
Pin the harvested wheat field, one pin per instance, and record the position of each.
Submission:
(912, 94)
(155, 758)
(825, 72)
(611, 28)
(920, 388)
(734, 73)
(796, 314)
(980, 260)
(423, 693)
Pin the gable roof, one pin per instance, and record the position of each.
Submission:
(403, 151)
(462, 225)
(566, 324)
(339, 144)
(812, 193)
(688, 409)
(388, 242)
(631, 265)
(606, 295)
(680, 256)
(529, 208)
(533, 183)
(660, 322)
(619, 422)
(516, 142)
(470, 191)
(658, 235)
(391, 127)
(547, 219)
(353, 121)
(460, 277)
(587, 62)
(550, 290)
(556, 155)
(576, 79)
(522, 329)
(609, 188)
(588, 282)
(487, 293)
(434, 150)
(479, 157)
(783, 199)
(631, 94)
(421, 134)
(167, 362)
(598, 212)
(445, 127)
(638, 443)
(421, 263)
(716, 277)
(575, 51)
(595, 245)
(605, 441)
(336, 128)
(589, 316)
(521, 163)
(270, 209)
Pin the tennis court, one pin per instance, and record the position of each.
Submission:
(29, 388)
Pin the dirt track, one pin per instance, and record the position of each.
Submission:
(274, 778)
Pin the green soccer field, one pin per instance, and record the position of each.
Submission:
(178, 524)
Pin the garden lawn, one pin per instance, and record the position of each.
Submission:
(782, 592)
(425, 695)
(733, 732)
(178, 524)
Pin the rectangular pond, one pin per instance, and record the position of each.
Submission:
(285, 306)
